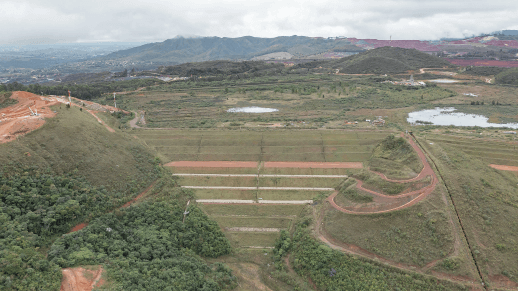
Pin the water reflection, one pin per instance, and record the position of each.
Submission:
(253, 109)
(447, 116)
(443, 81)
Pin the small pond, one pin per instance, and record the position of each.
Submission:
(253, 109)
(443, 81)
(447, 116)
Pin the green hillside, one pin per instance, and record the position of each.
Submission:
(384, 60)
(73, 142)
(181, 50)
(509, 77)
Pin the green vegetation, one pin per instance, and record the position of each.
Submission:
(5, 99)
(395, 158)
(261, 145)
(486, 202)
(415, 236)
(333, 270)
(384, 60)
(74, 142)
(82, 91)
(148, 246)
(252, 210)
(350, 193)
(484, 71)
(374, 182)
(299, 99)
(34, 207)
(489, 151)
(509, 77)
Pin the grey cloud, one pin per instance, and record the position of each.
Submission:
(156, 20)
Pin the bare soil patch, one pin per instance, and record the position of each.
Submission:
(211, 164)
(80, 279)
(17, 120)
(504, 167)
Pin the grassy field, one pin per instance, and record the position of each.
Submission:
(395, 158)
(225, 194)
(261, 145)
(74, 142)
(290, 195)
(250, 221)
(374, 182)
(252, 239)
(218, 181)
(416, 235)
(303, 101)
(300, 182)
(490, 151)
(486, 201)
(252, 210)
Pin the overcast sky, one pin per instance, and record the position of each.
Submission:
(50, 21)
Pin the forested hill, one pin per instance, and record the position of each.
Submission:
(384, 60)
(183, 50)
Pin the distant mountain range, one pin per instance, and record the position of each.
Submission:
(501, 50)
(182, 50)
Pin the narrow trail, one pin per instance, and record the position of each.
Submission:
(100, 120)
(84, 224)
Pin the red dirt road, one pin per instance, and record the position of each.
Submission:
(504, 167)
(16, 120)
(211, 164)
(78, 227)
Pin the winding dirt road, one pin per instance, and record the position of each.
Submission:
(386, 203)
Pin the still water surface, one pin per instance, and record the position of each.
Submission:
(448, 116)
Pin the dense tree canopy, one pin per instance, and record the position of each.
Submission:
(148, 247)
(143, 247)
